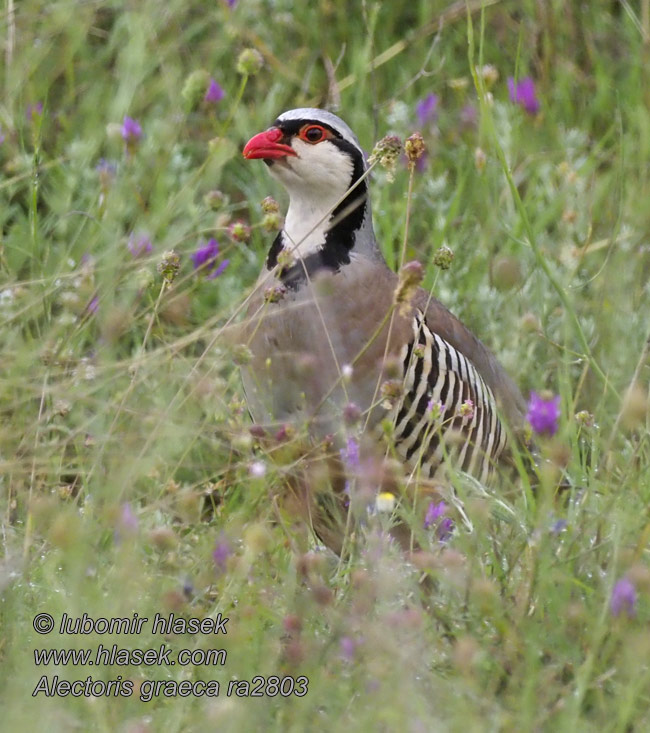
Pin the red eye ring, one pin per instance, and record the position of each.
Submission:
(313, 134)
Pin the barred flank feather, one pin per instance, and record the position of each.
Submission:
(440, 373)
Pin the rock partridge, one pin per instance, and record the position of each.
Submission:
(328, 336)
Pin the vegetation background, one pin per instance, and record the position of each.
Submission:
(129, 478)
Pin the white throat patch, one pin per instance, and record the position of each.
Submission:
(316, 181)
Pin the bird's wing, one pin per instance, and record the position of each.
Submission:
(451, 329)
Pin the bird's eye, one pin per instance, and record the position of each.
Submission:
(312, 133)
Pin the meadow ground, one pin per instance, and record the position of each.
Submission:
(129, 480)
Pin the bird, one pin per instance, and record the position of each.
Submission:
(329, 337)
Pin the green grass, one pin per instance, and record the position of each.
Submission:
(137, 404)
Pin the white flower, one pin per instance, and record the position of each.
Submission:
(257, 469)
(385, 502)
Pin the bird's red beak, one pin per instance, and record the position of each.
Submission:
(266, 145)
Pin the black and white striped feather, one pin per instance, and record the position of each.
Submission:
(435, 372)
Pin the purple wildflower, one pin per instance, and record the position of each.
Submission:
(434, 410)
(206, 254)
(131, 130)
(93, 306)
(351, 413)
(214, 93)
(558, 526)
(523, 94)
(128, 519)
(543, 415)
(220, 269)
(106, 167)
(33, 110)
(139, 245)
(468, 115)
(422, 163)
(434, 512)
(435, 517)
(623, 598)
(221, 553)
(2, 136)
(466, 410)
(348, 647)
(350, 454)
(445, 529)
(107, 172)
(126, 523)
(426, 108)
(205, 259)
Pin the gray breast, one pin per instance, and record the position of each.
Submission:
(434, 372)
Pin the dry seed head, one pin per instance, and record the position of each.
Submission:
(386, 152)
(194, 88)
(241, 354)
(351, 414)
(392, 367)
(459, 84)
(480, 159)
(214, 199)
(506, 273)
(239, 231)
(169, 266)
(391, 391)
(322, 594)
(271, 221)
(274, 294)
(270, 205)
(530, 322)
(414, 148)
(585, 419)
(250, 62)
(410, 276)
(490, 74)
(285, 261)
(443, 257)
